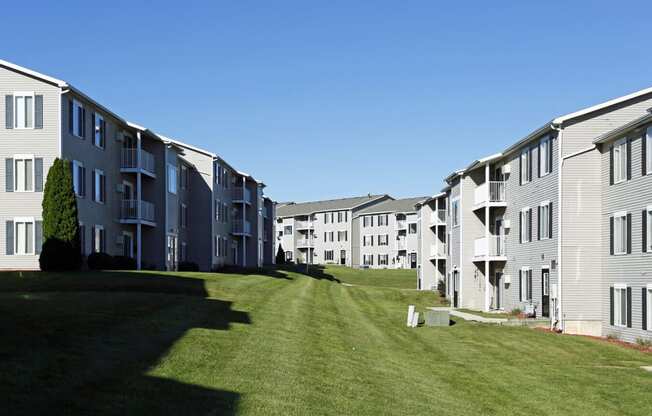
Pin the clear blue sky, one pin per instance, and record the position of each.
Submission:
(342, 97)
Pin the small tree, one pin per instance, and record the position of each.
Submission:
(280, 255)
(61, 243)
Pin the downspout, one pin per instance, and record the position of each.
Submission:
(559, 323)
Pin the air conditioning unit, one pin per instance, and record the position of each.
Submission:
(120, 188)
(506, 169)
(507, 224)
(508, 279)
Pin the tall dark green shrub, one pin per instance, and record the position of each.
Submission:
(280, 255)
(61, 248)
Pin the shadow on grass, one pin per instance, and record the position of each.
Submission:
(314, 270)
(80, 344)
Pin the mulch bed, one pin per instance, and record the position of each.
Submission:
(628, 345)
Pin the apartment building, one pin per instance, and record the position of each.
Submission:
(139, 194)
(626, 225)
(522, 222)
(388, 234)
(321, 232)
(432, 240)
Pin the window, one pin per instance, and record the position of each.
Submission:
(368, 259)
(99, 186)
(287, 230)
(99, 239)
(525, 225)
(184, 177)
(545, 156)
(78, 178)
(78, 118)
(525, 166)
(24, 236)
(455, 212)
(647, 229)
(99, 130)
(172, 179)
(383, 240)
(412, 228)
(368, 221)
(619, 233)
(382, 220)
(619, 162)
(328, 255)
(342, 236)
(288, 256)
(183, 216)
(82, 238)
(331, 236)
(648, 151)
(367, 240)
(620, 305)
(341, 216)
(545, 221)
(184, 251)
(648, 304)
(24, 110)
(525, 284)
(24, 172)
(383, 259)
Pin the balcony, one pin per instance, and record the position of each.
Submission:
(438, 217)
(303, 225)
(491, 248)
(401, 244)
(305, 243)
(130, 163)
(438, 251)
(242, 195)
(241, 228)
(401, 224)
(130, 214)
(492, 193)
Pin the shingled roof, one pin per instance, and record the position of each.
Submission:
(293, 209)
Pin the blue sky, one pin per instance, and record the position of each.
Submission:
(341, 97)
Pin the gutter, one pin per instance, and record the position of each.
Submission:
(559, 323)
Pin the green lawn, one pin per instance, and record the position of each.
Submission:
(285, 343)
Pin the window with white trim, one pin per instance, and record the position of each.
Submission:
(24, 173)
(172, 179)
(544, 221)
(342, 236)
(367, 240)
(98, 239)
(383, 259)
(648, 150)
(24, 110)
(648, 304)
(24, 236)
(455, 212)
(185, 177)
(99, 181)
(328, 255)
(77, 118)
(382, 220)
(526, 161)
(620, 305)
(648, 230)
(620, 161)
(368, 259)
(526, 284)
(287, 230)
(78, 177)
(525, 225)
(620, 233)
(544, 157)
(412, 228)
(383, 240)
(99, 131)
(368, 221)
(183, 215)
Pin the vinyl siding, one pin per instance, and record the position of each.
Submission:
(43, 143)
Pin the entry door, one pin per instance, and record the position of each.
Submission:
(545, 292)
(129, 191)
(498, 291)
(456, 287)
(128, 245)
(173, 256)
(342, 257)
(413, 260)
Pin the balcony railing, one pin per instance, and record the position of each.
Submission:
(129, 210)
(305, 242)
(302, 225)
(129, 160)
(242, 195)
(438, 217)
(494, 191)
(401, 224)
(401, 244)
(493, 246)
(240, 227)
(438, 250)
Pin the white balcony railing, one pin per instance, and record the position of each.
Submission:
(242, 194)
(438, 250)
(129, 210)
(493, 246)
(438, 217)
(401, 224)
(129, 160)
(240, 227)
(401, 244)
(302, 225)
(494, 191)
(305, 242)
